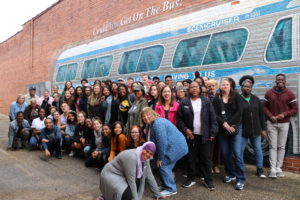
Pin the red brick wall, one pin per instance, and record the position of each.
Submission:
(292, 164)
(29, 56)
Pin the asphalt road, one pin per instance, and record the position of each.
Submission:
(24, 176)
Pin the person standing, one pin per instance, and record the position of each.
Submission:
(279, 105)
(171, 146)
(31, 95)
(253, 121)
(197, 120)
(17, 106)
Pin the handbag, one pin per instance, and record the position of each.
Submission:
(224, 117)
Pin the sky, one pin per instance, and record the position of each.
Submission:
(14, 13)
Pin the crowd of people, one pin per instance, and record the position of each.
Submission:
(130, 130)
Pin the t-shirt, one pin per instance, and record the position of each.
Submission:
(38, 124)
(197, 116)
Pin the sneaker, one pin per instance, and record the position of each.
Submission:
(273, 173)
(202, 178)
(210, 185)
(228, 179)
(166, 193)
(59, 156)
(279, 172)
(72, 153)
(260, 173)
(188, 183)
(184, 175)
(239, 186)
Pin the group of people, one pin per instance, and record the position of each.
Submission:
(131, 129)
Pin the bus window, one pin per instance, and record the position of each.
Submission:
(226, 47)
(66, 72)
(190, 52)
(150, 58)
(280, 45)
(129, 61)
(103, 66)
(88, 68)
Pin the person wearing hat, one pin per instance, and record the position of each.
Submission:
(120, 80)
(125, 176)
(137, 107)
(31, 95)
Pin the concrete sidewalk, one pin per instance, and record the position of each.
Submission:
(23, 175)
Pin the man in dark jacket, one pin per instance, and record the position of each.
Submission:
(197, 120)
(280, 104)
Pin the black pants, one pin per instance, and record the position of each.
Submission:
(200, 152)
(127, 194)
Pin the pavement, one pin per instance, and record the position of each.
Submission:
(24, 176)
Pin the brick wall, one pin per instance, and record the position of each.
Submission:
(29, 56)
(292, 163)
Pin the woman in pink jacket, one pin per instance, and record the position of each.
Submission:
(167, 106)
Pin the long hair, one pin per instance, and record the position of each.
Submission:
(232, 87)
(158, 91)
(161, 100)
(114, 136)
(126, 96)
(95, 99)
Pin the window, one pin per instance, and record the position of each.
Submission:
(141, 60)
(190, 52)
(98, 67)
(280, 45)
(150, 59)
(226, 47)
(66, 72)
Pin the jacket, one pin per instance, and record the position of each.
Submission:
(160, 109)
(115, 150)
(209, 124)
(134, 113)
(284, 102)
(13, 130)
(253, 118)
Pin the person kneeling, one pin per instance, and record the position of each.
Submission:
(51, 139)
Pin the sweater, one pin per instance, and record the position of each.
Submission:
(121, 172)
(284, 102)
(170, 142)
(114, 149)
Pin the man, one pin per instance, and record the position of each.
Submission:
(18, 132)
(156, 80)
(280, 104)
(45, 101)
(84, 82)
(129, 83)
(31, 95)
(196, 118)
(120, 80)
(63, 117)
(169, 81)
(51, 138)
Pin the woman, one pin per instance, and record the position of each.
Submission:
(134, 113)
(153, 94)
(69, 99)
(253, 121)
(107, 103)
(228, 107)
(31, 112)
(129, 171)
(118, 140)
(180, 93)
(18, 106)
(99, 157)
(68, 134)
(171, 146)
(78, 138)
(167, 106)
(78, 96)
(204, 91)
(68, 85)
(125, 103)
(36, 127)
(135, 137)
(88, 136)
(114, 108)
(57, 122)
(197, 120)
(212, 85)
(57, 102)
(94, 108)
(72, 91)
(84, 99)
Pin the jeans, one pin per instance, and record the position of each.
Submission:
(234, 146)
(33, 142)
(87, 150)
(53, 145)
(167, 176)
(256, 143)
(68, 143)
(277, 134)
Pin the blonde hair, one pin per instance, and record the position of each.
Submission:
(212, 82)
(149, 111)
(19, 97)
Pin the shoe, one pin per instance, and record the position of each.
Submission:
(260, 173)
(272, 174)
(72, 153)
(279, 172)
(59, 156)
(239, 186)
(188, 183)
(228, 179)
(210, 185)
(217, 170)
(202, 178)
(166, 193)
(184, 175)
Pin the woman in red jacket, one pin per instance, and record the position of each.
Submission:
(167, 106)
